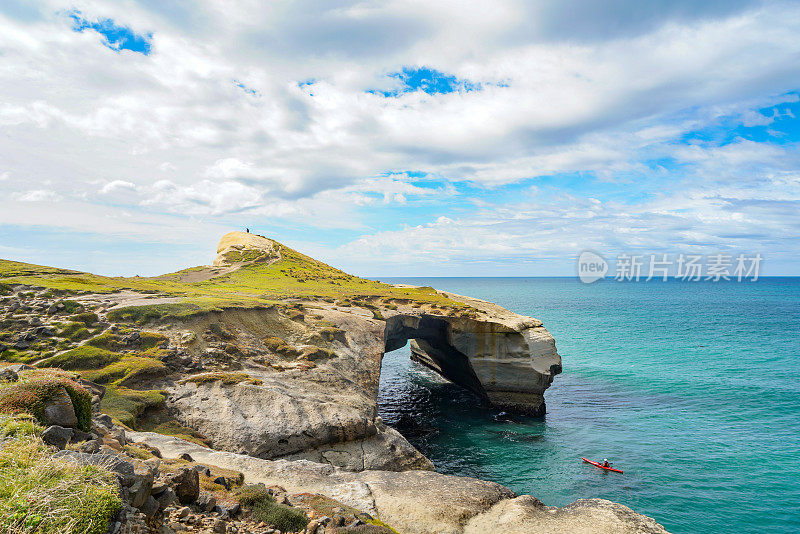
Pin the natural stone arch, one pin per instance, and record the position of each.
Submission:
(431, 345)
(509, 364)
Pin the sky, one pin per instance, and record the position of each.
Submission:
(399, 138)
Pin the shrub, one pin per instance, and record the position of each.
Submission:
(264, 508)
(36, 388)
(39, 493)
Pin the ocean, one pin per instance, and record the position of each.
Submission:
(691, 388)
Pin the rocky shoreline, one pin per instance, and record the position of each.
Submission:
(283, 391)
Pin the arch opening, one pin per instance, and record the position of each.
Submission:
(431, 345)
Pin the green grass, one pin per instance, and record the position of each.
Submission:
(295, 275)
(75, 331)
(17, 356)
(264, 508)
(169, 427)
(83, 357)
(226, 378)
(87, 318)
(109, 341)
(127, 405)
(36, 387)
(44, 495)
(19, 425)
(127, 371)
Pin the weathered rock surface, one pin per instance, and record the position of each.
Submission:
(59, 410)
(421, 502)
(527, 514)
(508, 359)
(238, 247)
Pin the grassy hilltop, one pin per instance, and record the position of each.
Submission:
(256, 280)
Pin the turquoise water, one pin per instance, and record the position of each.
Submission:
(691, 388)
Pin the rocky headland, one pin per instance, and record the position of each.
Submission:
(267, 364)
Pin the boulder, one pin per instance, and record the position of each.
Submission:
(59, 410)
(7, 375)
(58, 436)
(18, 367)
(186, 485)
(112, 462)
(139, 487)
(206, 501)
(149, 507)
(165, 498)
(91, 447)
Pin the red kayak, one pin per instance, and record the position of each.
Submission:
(600, 465)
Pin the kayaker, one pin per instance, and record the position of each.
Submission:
(605, 463)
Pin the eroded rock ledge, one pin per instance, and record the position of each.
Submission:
(423, 502)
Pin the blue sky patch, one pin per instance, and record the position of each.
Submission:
(116, 37)
(427, 80)
(248, 90)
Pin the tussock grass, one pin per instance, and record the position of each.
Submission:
(41, 494)
(264, 508)
(19, 425)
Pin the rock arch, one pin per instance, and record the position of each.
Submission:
(509, 364)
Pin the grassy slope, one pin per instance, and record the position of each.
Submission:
(295, 275)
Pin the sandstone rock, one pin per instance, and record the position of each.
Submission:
(79, 436)
(58, 436)
(18, 367)
(59, 410)
(219, 526)
(139, 488)
(91, 447)
(236, 247)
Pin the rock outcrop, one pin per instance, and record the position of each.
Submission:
(422, 502)
(507, 359)
(241, 247)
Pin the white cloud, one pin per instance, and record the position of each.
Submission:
(36, 195)
(117, 185)
(171, 135)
